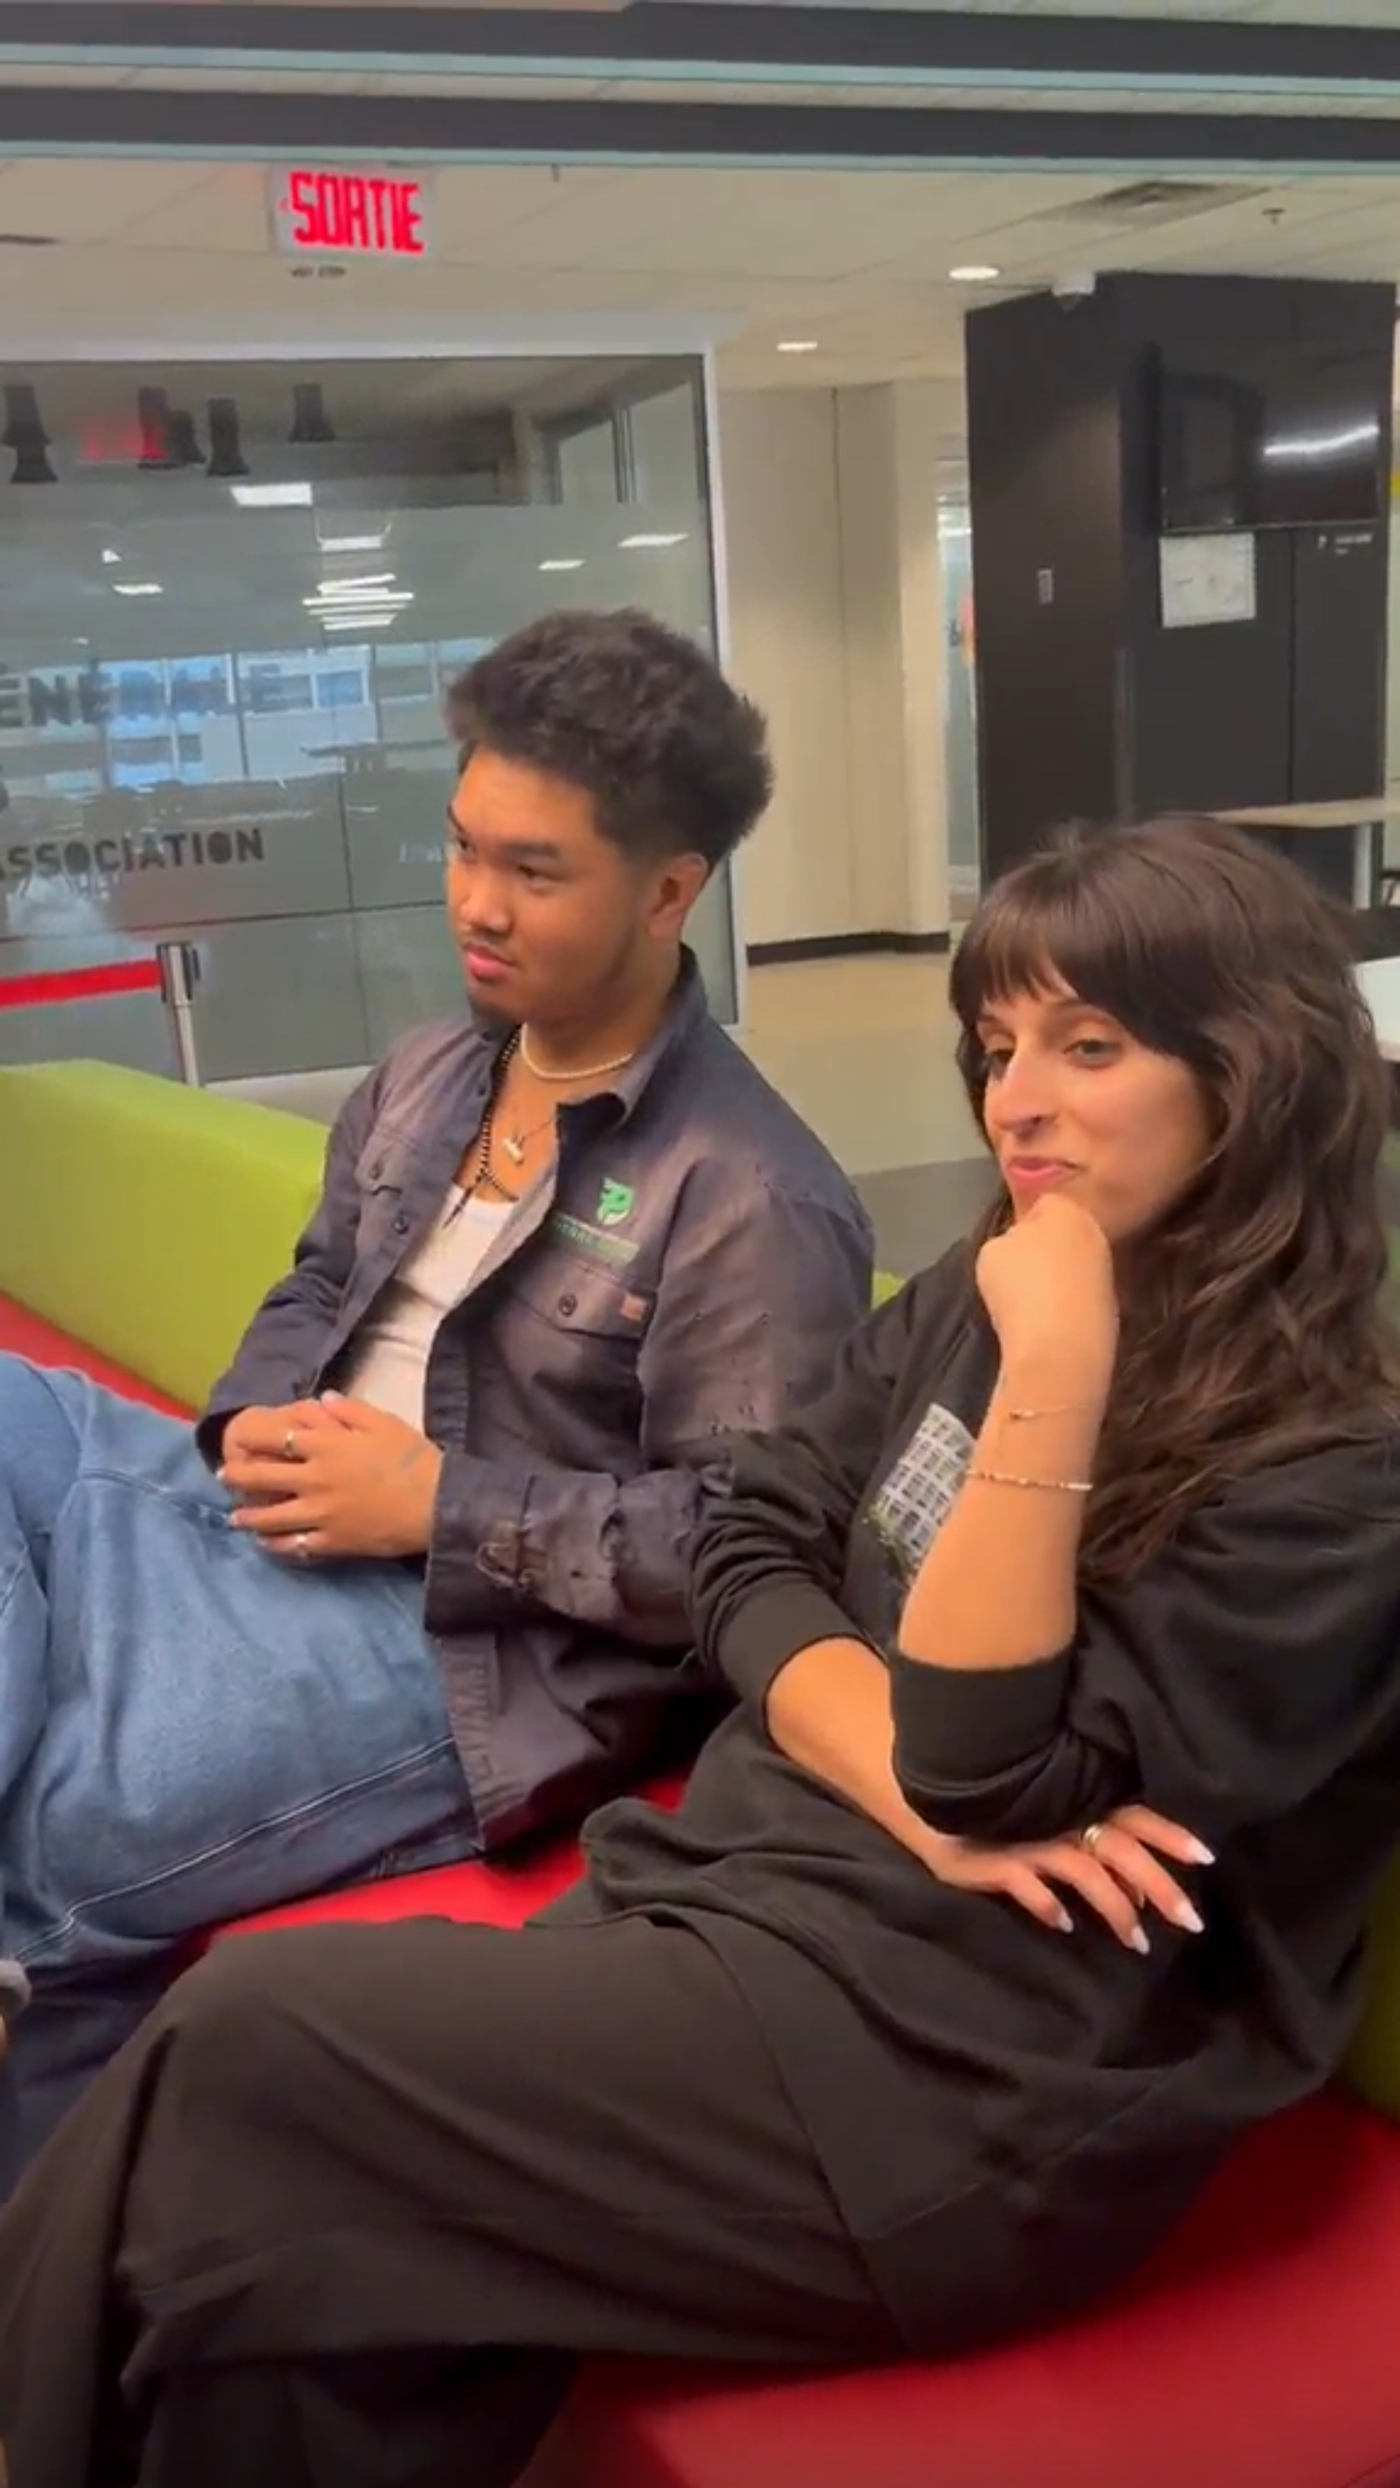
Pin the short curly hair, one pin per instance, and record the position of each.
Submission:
(675, 759)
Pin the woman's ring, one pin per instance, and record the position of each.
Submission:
(1091, 1835)
(301, 1547)
(289, 1444)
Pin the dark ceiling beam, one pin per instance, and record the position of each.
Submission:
(141, 120)
(676, 34)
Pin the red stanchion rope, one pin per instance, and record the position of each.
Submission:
(22, 993)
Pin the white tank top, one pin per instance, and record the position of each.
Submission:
(391, 1366)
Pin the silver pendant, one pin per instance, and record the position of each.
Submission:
(514, 1149)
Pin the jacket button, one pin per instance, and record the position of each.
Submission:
(400, 1224)
(376, 1170)
(568, 1305)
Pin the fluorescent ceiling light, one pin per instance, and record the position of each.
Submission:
(974, 274)
(272, 496)
(137, 587)
(357, 587)
(359, 610)
(379, 601)
(374, 620)
(797, 345)
(352, 544)
(650, 544)
(108, 555)
(574, 562)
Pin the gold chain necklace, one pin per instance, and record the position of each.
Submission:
(560, 1079)
(516, 1143)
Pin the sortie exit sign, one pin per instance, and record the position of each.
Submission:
(340, 211)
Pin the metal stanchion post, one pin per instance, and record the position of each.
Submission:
(179, 975)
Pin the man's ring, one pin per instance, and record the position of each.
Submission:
(289, 1444)
(1091, 1835)
(301, 1547)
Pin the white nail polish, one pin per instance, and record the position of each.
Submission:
(1139, 1941)
(1190, 1918)
(1200, 1855)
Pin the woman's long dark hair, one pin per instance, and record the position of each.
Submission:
(1255, 1327)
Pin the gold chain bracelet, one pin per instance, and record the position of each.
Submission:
(1068, 1408)
(1041, 1485)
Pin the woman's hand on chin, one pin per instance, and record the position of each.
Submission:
(1047, 1283)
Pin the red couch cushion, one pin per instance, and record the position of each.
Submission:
(1259, 2352)
(480, 1895)
(23, 1333)
(504, 1892)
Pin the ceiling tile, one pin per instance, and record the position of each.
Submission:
(79, 198)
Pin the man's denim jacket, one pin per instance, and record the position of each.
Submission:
(690, 1270)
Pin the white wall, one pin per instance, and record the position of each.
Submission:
(896, 652)
(837, 630)
(873, 621)
(787, 648)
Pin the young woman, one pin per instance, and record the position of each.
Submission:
(1102, 1512)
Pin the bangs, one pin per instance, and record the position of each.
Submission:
(1097, 922)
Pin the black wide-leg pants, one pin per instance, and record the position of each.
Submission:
(347, 2208)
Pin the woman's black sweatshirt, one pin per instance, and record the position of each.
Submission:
(1009, 2118)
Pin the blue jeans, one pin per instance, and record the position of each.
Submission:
(188, 1729)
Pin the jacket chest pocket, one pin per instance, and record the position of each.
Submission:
(384, 1173)
(578, 1303)
(579, 1327)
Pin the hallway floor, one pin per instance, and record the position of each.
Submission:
(864, 1049)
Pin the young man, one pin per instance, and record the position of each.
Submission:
(416, 1584)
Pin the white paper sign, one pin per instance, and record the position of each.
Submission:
(1207, 579)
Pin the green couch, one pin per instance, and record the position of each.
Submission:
(147, 1219)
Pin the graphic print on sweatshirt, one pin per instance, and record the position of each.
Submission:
(909, 1508)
